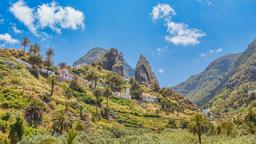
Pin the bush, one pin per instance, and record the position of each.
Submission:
(10, 98)
(172, 124)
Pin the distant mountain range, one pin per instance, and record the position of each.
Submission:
(96, 54)
(199, 87)
(224, 85)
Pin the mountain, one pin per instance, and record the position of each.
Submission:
(113, 61)
(144, 73)
(96, 54)
(91, 56)
(238, 90)
(199, 87)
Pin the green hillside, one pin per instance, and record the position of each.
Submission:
(199, 88)
(38, 108)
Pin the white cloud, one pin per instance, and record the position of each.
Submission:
(202, 54)
(162, 11)
(7, 39)
(24, 14)
(48, 15)
(211, 52)
(218, 50)
(207, 2)
(16, 30)
(161, 71)
(56, 17)
(178, 33)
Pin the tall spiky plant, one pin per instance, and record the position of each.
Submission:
(199, 126)
(25, 42)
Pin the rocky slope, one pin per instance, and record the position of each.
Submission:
(91, 56)
(144, 73)
(97, 54)
(113, 61)
(237, 91)
(198, 88)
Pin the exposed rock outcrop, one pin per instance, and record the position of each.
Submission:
(96, 55)
(113, 61)
(144, 73)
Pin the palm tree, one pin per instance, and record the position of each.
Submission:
(107, 94)
(16, 131)
(115, 82)
(71, 136)
(250, 120)
(34, 113)
(97, 93)
(61, 123)
(52, 80)
(199, 126)
(93, 78)
(34, 49)
(25, 42)
(49, 58)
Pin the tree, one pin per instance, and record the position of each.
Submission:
(34, 49)
(35, 59)
(199, 126)
(34, 113)
(92, 77)
(61, 122)
(53, 81)
(25, 42)
(115, 82)
(62, 65)
(16, 131)
(250, 120)
(107, 93)
(49, 59)
(97, 93)
(135, 89)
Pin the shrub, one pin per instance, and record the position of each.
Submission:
(10, 98)
(34, 113)
(172, 124)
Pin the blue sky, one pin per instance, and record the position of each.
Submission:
(179, 37)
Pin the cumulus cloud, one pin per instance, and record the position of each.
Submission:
(7, 39)
(57, 17)
(161, 11)
(24, 14)
(178, 33)
(49, 15)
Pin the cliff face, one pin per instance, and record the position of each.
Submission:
(96, 55)
(144, 73)
(113, 61)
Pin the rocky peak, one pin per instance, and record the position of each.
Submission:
(113, 61)
(144, 73)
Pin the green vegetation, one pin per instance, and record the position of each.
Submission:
(39, 109)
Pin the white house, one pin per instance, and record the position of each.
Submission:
(65, 75)
(146, 97)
